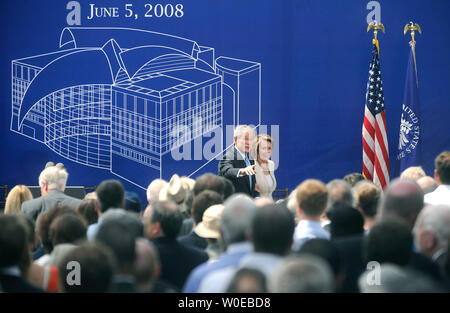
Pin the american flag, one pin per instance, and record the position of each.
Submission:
(375, 144)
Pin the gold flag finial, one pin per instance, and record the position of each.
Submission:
(375, 26)
(412, 28)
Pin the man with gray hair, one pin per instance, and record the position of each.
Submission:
(339, 194)
(432, 231)
(234, 223)
(237, 164)
(154, 189)
(52, 181)
(302, 274)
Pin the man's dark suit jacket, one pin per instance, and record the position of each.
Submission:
(229, 167)
(192, 239)
(15, 284)
(177, 260)
(351, 249)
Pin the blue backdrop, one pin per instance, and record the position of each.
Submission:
(312, 57)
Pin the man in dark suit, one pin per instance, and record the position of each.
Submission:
(237, 164)
(52, 181)
(13, 246)
(177, 260)
(202, 201)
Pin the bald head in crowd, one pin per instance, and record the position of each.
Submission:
(413, 172)
(427, 183)
(403, 199)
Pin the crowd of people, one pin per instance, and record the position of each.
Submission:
(226, 234)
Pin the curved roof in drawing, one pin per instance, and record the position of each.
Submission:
(98, 55)
(136, 58)
(127, 38)
(72, 69)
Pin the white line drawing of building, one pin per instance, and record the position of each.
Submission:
(110, 98)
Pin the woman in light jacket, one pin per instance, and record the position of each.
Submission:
(264, 168)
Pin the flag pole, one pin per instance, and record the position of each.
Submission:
(413, 28)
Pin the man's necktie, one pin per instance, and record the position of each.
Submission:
(247, 162)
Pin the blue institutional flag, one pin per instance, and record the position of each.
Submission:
(409, 147)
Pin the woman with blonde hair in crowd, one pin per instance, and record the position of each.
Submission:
(18, 195)
(264, 168)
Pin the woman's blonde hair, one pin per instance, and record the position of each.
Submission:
(259, 140)
(18, 195)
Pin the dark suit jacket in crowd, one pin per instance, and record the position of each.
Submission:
(192, 239)
(16, 284)
(177, 260)
(351, 253)
(34, 207)
(229, 167)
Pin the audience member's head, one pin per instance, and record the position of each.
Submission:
(87, 210)
(236, 219)
(110, 194)
(91, 196)
(432, 229)
(209, 227)
(403, 199)
(147, 265)
(164, 220)
(311, 198)
(427, 183)
(395, 279)
(262, 201)
(247, 280)
(67, 228)
(389, 241)
(202, 201)
(53, 178)
(302, 274)
(339, 193)
(272, 230)
(45, 220)
(229, 189)
(18, 195)
(131, 222)
(367, 196)
(211, 182)
(116, 236)
(345, 221)
(353, 178)
(442, 168)
(154, 188)
(13, 240)
(413, 172)
(132, 202)
(95, 264)
(173, 191)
